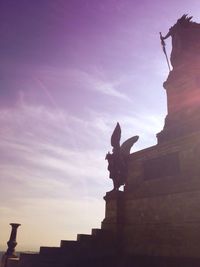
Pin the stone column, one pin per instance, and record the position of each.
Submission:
(12, 241)
(10, 253)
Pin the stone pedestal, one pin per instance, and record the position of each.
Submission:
(183, 102)
(114, 212)
(114, 219)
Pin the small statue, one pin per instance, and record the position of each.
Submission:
(118, 160)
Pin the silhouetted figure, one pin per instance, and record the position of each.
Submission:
(185, 40)
(118, 160)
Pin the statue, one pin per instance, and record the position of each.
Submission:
(118, 160)
(185, 41)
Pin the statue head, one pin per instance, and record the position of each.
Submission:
(183, 22)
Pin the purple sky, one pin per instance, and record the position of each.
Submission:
(69, 70)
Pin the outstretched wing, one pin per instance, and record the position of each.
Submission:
(126, 146)
(116, 136)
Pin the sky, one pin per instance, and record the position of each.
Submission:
(69, 71)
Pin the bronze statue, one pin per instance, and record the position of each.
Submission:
(118, 160)
(185, 40)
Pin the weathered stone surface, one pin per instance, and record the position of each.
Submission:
(161, 201)
(183, 102)
(28, 259)
(114, 214)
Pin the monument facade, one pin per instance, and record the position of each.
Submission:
(160, 214)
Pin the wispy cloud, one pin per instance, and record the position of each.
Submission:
(42, 84)
(49, 157)
(90, 80)
(42, 169)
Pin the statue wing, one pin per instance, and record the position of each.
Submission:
(126, 146)
(116, 136)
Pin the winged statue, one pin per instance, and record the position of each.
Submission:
(118, 159)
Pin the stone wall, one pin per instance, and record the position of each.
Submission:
(162, 200)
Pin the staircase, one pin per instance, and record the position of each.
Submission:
(95, 249)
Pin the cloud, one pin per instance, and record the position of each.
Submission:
(53, 167)
(80, 78)
(41, 146)
(49, 176)
(55, 141)
(55, 87)
(51, 142)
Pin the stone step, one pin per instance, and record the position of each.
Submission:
(49, 251)
(97, 232)
(103, 236)
(84, 238)
(48, 257)
(68, 244)
(70, 249)
(76, 252)
(29, 259)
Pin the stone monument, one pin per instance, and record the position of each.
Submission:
(160, 214)
(155, 220)
(183, 82)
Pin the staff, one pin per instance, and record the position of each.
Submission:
(164, 50)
